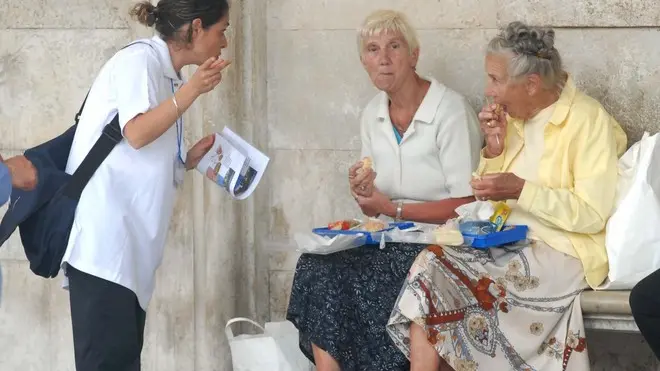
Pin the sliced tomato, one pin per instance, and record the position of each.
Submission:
(340, 225)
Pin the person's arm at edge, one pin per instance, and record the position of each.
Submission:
(5, 183)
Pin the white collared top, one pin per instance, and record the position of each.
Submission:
(124, 213)
(437, 154)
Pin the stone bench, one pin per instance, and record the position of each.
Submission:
(607, 311)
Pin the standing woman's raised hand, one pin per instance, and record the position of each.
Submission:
(208, 75)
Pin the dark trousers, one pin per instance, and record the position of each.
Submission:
(108, 324)
(645, 304)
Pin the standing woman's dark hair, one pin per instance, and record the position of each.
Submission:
(169, 16)
(123, 215)
(194, 31)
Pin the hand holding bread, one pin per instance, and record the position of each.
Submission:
(493, 124)
(361, 178)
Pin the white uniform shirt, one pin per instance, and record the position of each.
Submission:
(124, 212)
(437, 154)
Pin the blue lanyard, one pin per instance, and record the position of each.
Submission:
(179, 129)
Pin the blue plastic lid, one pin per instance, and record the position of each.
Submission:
(476, 228)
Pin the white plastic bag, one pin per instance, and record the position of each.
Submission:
(633, 236)
(311, 243)
(275, 349)
(286, 337)
(476, 210)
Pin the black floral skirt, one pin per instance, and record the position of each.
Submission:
(341, 302)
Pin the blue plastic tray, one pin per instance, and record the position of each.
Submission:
(373, 238)
(508, 235)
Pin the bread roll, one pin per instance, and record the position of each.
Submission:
(366, 164)
(373, 225)
(448, 234)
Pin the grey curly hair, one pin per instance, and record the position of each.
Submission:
(532, 51)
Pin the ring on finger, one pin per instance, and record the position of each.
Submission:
(490, 124)
(363, 188)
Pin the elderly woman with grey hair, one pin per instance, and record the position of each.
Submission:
(424, 141)
(551, 153)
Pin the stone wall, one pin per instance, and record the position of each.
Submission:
(296, 89)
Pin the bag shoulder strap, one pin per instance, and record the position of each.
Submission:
(110, 136)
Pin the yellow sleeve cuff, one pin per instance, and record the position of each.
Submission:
(527, 196)
(490, 165)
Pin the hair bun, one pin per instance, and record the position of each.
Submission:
(546, 37)
(528, 40)
(145, 13)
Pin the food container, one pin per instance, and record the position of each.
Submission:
(373, 238)
(482, 234)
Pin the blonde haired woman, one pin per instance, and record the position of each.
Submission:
(424, 141)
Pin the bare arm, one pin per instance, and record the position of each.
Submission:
(145, 126)
(458, 143)
(434, 212)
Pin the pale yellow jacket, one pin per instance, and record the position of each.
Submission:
(577, 175)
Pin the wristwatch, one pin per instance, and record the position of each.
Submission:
(399, 211)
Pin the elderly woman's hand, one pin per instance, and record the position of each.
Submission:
(378, 203)
(361, 182)
(493, 124)
(498, 187)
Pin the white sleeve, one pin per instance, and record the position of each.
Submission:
(459, 141)
(135, 78)
(365, 138)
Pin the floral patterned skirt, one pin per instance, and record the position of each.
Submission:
(499, 309)
(341, 302)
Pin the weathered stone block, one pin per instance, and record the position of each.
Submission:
(619, 68)
(310, 190)
(44, 76)
(602, 13)
(74, 14)
(25, 319)
(317, 86)
(347, 14)
(280, 291)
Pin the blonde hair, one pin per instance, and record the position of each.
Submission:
(387, 21)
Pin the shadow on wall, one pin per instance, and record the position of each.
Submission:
(633, 108)
(9, 66)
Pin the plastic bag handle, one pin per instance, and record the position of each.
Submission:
(230, 334)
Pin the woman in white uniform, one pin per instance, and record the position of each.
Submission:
(119, 232)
